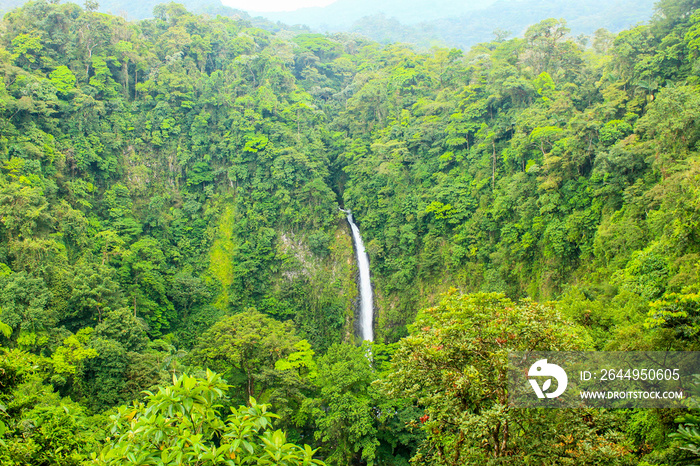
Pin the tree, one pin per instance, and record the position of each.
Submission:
(26, 50)
(24, 300)
(122, 326)
(181, 424)
(346, 412)
(24, 211)
(681, 314)
(454, 363)
(5, 329)
(63, 80)
(142, 266)
(247, 346)
(37, 426)
(545, 40)
(671, 126)
(91, 5)
(68, 358)
(94, 293)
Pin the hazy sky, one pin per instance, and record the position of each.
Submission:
(274, 5)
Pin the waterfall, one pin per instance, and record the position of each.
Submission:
(366, 304)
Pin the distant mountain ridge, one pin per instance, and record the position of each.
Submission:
(425, 23)
(514, 16)
(343, 13)
(463, 24)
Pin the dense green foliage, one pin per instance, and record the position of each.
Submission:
(454, 365)
(169, 195)
(182, 424)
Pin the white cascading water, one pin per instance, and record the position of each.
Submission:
(366, 303)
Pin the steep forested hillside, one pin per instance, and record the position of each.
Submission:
(169, 194)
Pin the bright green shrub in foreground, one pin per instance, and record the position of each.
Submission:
(181, 424)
